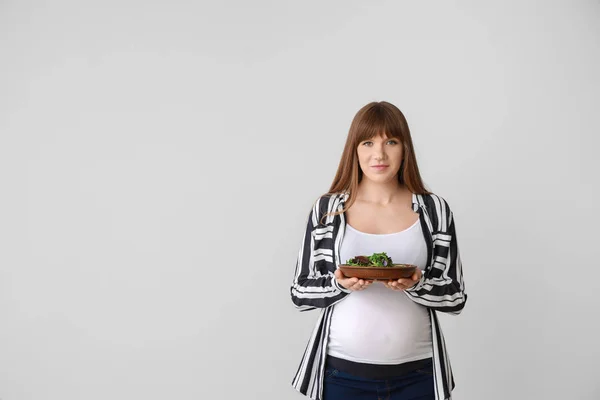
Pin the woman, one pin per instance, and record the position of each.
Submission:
(378, 339)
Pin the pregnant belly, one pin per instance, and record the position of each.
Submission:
(379, 325)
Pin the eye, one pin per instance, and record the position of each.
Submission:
(368, 142)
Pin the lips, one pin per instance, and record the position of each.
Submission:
(380, 168)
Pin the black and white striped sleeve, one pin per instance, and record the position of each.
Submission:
(442, 286)
(314, 284)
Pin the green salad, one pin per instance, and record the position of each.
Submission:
(374, 260)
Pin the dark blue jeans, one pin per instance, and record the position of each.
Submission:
(415, 385)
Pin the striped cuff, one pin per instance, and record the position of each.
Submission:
(340, 287)
(417, 285)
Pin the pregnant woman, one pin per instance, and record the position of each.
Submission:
(378, 340)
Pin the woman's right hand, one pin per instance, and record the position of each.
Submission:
(351, 283)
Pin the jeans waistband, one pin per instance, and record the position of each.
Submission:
(376, 371)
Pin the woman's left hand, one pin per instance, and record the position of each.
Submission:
(404, 283)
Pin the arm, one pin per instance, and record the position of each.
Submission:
(442, 287)
(314, 284)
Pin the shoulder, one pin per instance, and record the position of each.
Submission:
(325, 204)
(329, 201)
(438, 209)
(434, 201)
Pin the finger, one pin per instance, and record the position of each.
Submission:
(352, 282)
(348, 283)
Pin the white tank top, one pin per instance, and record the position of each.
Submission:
(378, 325)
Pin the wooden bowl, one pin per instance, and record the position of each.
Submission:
(378, 273)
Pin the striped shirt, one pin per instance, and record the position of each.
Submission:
(441, 287)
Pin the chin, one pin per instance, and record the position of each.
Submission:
(382, 178)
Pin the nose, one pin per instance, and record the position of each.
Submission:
(379, 151)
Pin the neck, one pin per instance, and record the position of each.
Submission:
(380, 192)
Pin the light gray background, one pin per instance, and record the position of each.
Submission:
(158, 161)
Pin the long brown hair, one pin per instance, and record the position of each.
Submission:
(373, 119)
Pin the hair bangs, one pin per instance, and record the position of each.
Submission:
(375, 122)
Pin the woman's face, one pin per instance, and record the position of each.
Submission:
(380, 151)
